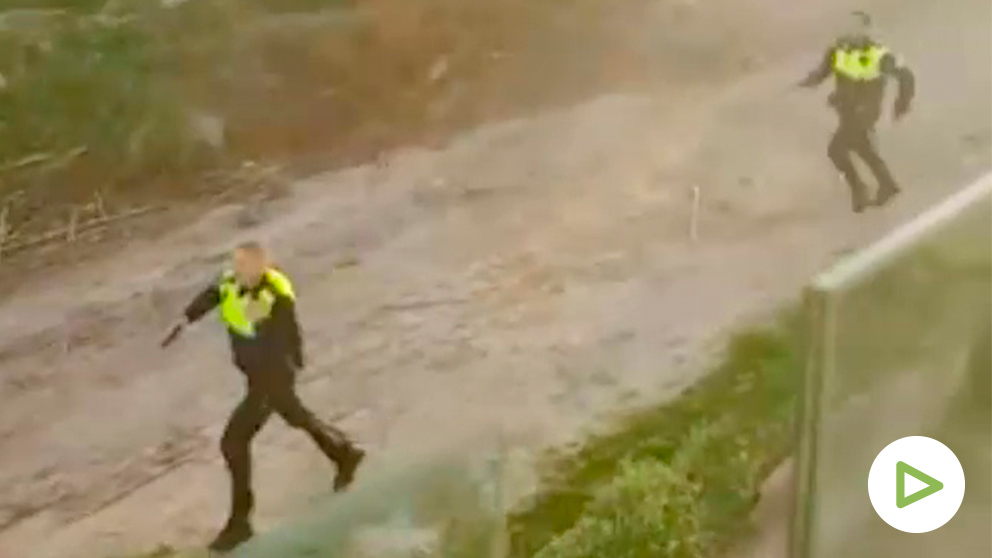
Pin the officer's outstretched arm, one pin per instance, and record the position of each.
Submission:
(892, 67)
(819, 74)
(205, 301)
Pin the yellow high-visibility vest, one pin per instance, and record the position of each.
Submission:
(241, 312)
(860, 64)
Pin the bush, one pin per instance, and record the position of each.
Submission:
(635, 516)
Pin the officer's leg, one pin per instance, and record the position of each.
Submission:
(331, 441)
(864, 146)
(246, 421)
(839, 151)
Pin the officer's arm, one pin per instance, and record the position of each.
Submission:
(205, 301)
(892, 67)
(819, 74)
(202, 303)
(286, 328)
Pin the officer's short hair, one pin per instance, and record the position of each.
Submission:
(254, 248)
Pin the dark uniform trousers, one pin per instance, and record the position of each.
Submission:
(855, 134)
(270, 391)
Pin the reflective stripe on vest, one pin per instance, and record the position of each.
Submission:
(860, 65)
(242, 312)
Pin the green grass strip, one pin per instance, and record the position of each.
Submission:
(677, 480)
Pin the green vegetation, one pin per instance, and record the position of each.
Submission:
(680, 480)
(69, 5)
(142, 97)
(99, 102)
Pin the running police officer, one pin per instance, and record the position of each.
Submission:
(861, 67)
(256, 302)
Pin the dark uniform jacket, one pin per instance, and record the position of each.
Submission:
(863, 99)
(277, 343)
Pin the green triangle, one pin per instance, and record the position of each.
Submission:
(902, 469)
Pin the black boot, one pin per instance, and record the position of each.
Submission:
(885, 194)
(231, 536)
(347, 465)
(859, 197)
(859, 202)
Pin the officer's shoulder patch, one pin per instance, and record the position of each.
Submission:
(279, 283)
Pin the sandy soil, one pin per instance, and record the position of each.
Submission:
(526, 279)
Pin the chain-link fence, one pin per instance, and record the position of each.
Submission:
(899, 347)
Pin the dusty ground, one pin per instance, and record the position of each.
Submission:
(527, 278)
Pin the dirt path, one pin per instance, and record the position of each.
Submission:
(526, 278)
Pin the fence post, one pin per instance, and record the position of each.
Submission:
(819, 352)
(3, 228)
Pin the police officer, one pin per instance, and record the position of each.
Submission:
(256, 303)
(861, 67)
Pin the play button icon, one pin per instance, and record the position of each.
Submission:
(930, 485)
(912, 499)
